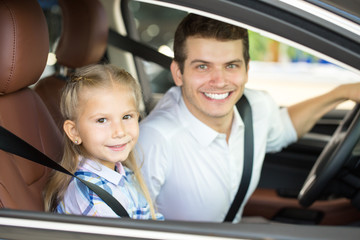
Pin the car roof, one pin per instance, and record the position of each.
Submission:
(301, 24)
(349, 9)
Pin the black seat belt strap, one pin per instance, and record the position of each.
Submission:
(138, 49)
(244, 109)
(11, 143)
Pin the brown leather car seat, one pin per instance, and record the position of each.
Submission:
(24, 46)
(82, 42)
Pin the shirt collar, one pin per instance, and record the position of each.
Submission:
(237, 123)
(200, 131)
(110, 175)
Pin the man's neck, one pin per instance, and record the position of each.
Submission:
(223, 125)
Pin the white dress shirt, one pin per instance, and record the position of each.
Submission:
(191, 171)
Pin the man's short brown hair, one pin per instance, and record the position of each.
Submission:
(199, 26)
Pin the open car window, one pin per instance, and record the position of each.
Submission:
(275, 67)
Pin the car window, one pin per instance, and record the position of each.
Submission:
(288, 73)
(52, 12)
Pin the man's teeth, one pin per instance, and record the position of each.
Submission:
(217, 96)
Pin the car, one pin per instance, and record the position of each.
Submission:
(298, 49)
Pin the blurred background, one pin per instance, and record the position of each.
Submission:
(288, 73)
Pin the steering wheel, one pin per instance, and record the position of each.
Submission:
(332, 158)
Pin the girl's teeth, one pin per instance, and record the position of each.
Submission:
(217, 96)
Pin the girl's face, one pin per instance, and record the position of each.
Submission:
(106, 125)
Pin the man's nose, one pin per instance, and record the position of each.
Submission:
(218, 77)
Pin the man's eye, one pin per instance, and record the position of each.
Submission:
(202, 67)
(102, 120)
(232, 66)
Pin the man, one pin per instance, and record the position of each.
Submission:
(193, 141)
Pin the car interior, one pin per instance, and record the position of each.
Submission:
(23, 59)
(29, 106)
(83, 41)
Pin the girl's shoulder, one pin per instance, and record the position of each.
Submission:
(129, 174)
(130, 177)
(128, 171)
(87, 175)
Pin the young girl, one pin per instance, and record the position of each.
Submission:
(101, 106)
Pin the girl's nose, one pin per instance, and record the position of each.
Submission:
(118, 130)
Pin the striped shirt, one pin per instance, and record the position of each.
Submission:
(121, 184)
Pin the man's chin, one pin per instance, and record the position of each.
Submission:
(219, 114)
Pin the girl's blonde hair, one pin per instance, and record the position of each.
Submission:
(93, 76)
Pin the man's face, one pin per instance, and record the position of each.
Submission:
(213, 79)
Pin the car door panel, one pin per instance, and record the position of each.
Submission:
(284, 173)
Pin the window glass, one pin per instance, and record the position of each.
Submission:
(287, 73)
(156, 26)
(52, 12)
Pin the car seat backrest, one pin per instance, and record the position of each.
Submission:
(82, 42)
(24, 46)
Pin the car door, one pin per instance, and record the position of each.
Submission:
(283, 175)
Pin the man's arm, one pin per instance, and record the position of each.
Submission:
(305, 114)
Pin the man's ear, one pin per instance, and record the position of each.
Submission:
(72, 132)
(176, 73)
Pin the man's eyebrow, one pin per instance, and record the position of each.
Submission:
(235, 61)
(198, 61)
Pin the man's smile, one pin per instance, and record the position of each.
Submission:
(217, 96)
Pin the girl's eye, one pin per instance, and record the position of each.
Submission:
(127, 116)
(102, 120)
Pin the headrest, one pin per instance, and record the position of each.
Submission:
(84, 33)
(24, 44)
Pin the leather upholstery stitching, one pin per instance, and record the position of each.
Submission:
(6, 85)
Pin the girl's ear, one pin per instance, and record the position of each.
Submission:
(72, 132)
(176, 73)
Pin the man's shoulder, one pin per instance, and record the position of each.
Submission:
(161, 121)
(164, 118)
(256, 95)
(259, 99)
(261, 102)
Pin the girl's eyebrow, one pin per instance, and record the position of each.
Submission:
(131, 111)
(96, 114)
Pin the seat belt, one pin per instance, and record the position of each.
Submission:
(138, 49)
(11, 143)
(244, 109)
